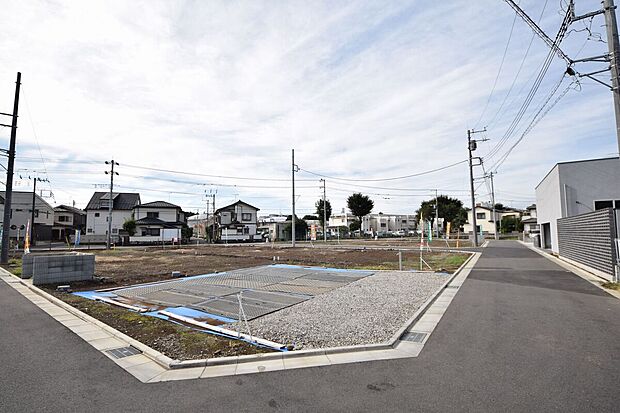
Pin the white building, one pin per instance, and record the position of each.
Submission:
(378, 224)
(485, 221)
(158, 221)
(237, 222)
(21, 214)
(573, 188)
(123, 204)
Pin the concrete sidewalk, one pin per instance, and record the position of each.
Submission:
(522, 334)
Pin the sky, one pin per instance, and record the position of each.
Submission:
(199, 97)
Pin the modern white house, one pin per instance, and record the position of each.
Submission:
(158, 221)
(574, 188)
(123, 204)
(272, 226)
(236, 222)
(377, 224)
(21, 214)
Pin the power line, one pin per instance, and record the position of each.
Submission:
(385, 179)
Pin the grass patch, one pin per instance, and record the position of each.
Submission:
(449, 262)
(14, 266)
(611, 286)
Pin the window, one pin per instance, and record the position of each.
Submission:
(246, 216)
(150, 232)
(246, 230)
(481, 215)
(239, 230)
(114, 230)
(404, 221)
(96, 214)
(152, 214)
(89, 230)
(383, 224)
(64, 218)
(603, 204)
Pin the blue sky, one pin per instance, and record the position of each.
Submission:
(361, 90)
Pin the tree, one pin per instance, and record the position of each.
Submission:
(511, 223)
(301, 228)
(450, 209)
(186, 232)
(499, 207)
(354, 226)
(130, 226)
(319, 211)
(360, 205)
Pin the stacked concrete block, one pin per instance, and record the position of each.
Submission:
(59, 268)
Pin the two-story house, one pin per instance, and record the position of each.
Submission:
(67, 220)
(236, 222)
(158, 221)
(123, 204)
(21, 214)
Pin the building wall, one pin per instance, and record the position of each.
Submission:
(486, 225)
(571, 188)
(165, 214)
(21, 206)
(98, 225)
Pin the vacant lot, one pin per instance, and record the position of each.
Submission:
(125, 266)
(131, 266)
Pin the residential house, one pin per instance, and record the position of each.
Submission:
(574, 188)
(381, 224)
(158, 221)
(67, 220)
(485, 221)
(530, 221)
(272, 227)
(123, 204)
(236, 222)
(21, 214)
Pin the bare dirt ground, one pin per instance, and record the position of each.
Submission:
(132, 266)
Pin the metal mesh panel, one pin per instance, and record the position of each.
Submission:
(589, 239)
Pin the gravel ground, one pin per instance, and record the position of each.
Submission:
(366, 311)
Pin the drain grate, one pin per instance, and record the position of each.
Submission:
(453, 286)
(121, 352)
(414, 337)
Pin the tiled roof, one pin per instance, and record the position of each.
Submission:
(122, 201)
(69, 209)
(235, 203)
(159, 204)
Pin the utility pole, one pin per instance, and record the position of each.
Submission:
(32, 213)
(471, 146)
(324, 214)
(111, 172)
(207, 225)
(8, 195)
(436, 215)
(293, 220)
(614, 54)
(493, 202)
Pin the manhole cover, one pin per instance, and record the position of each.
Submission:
(121, 352)
(413, 337)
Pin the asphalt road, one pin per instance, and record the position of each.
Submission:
(521, 335)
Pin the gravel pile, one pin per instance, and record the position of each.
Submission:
(366, 311)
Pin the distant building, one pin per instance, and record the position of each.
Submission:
(530, 221)
(123, 204)
(376, 224)
(67, 220)
(21, 213)
(158, 221)
(237, 222)
(272, 227)
(574, 188)
(485, 221)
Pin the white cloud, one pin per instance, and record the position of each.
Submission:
(228, 88)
